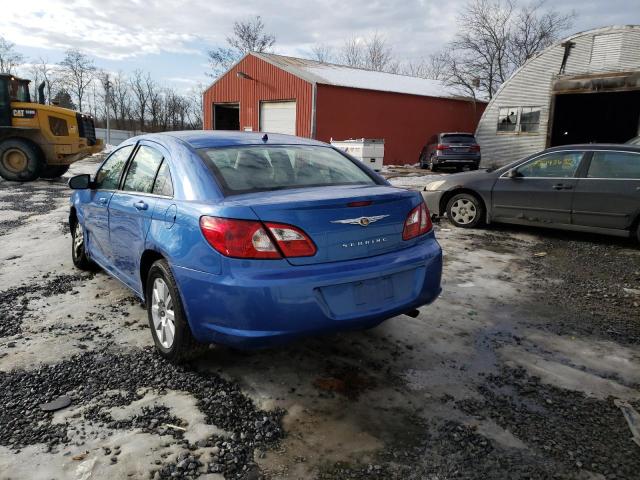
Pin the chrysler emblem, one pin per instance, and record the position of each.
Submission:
(362, 221)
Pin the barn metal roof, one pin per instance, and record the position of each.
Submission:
(343, 76)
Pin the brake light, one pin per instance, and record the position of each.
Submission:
(442, 147)
(251, 239)
(292, 241)
(362, 203)
(475, 148)
(238, 238)
(418, 222)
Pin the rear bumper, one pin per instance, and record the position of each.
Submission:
(257, 308)
(456, 160)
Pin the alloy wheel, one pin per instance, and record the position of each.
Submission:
(162, 313)
(463, 211)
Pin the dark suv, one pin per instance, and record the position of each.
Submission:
(451, 150)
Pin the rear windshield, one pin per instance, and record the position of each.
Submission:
(457, 138)
(258, 169)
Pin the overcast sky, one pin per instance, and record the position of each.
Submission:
(170, 38)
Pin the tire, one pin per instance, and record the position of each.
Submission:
(20, 160)
(432, 166)
(164, 304)
(54, 171)
(78, 252)
(465, 210)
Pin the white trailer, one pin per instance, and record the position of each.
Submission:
(369, 151)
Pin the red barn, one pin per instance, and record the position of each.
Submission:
(273, 93)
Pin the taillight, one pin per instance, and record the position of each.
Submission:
(475, 148)
(442, 147)
(250, 238)
(238, 238)
(292, 241)
(417, 223)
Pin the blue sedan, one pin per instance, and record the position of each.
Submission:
(252, 240)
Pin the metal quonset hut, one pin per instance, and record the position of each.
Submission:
(583, 89)
(274, 93)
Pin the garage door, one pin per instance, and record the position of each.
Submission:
(278, 117)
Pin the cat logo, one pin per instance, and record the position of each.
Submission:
(23, 113)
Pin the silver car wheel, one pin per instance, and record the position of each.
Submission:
(78, 240)
(162, 313)
(463, 211)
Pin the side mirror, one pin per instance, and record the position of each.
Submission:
(80, 182)
(513, 173)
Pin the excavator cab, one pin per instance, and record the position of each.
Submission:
(12, 89)
(5, 101)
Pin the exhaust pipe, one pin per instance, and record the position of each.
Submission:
(41, 93)
(412, 313)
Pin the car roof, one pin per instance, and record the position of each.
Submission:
(228, 138)
(457, 133)
(597, 146)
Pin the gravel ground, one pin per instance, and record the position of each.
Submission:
(512, 373)
(602, 276)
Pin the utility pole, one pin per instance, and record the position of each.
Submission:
(107, 88)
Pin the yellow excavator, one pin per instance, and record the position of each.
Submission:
(38, 140)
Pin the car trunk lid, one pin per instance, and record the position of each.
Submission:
(345, 222)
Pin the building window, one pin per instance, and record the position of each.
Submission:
(519, 119)
(508, 119)
(530, 119)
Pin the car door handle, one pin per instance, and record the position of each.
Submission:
(562, 186)
(141, 205)
(102, 201)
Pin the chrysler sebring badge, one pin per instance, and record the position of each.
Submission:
(362, 221)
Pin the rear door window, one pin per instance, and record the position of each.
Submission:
(614, 165)
(142, 170)
(163, 185)
(257, 168)
(108, 177)
(552, 165)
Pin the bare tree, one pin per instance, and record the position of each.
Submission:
(196, 104)
(372, 53)
(43, 71)
(535, 29)
(34, 76)
(9, 58)
(495, 37)
(322, 53)
(78, 71)
(155, 105)
(140, 91)
(248, 36)
(352, 53)
(435, 67)
(120, 100)
(378, 55)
